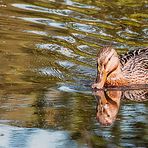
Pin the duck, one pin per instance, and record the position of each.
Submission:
(108, 103)
(127, 69)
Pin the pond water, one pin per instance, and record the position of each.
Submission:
(48, 62)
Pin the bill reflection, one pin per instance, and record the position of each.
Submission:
(108, 102)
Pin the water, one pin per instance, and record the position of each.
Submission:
(48, 50)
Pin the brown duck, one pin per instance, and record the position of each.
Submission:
(125, 70)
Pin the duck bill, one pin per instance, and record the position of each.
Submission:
(103, 77)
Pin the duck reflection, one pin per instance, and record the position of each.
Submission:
(108, 106)
(108, 102)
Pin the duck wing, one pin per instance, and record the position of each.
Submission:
(134, 65)
(139, 55)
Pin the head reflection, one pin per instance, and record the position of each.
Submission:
(108, 106)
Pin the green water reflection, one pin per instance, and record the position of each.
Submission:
(48, 50)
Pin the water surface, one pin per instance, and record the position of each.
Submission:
(48, 50)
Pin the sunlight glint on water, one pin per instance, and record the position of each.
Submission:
(48, 54)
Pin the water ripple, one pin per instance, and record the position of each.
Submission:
(44, 21)
(54, 47)
(51, 72)
(145, 31)
(48, 63)
(88, 28)
(37, 32)
(42, 9)
(63, 12)
(80, 5)
(128, 34)
(66, 64)
(68, 39)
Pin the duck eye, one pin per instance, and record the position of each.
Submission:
(109, 59)
(108, 115)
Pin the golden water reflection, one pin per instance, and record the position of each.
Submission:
(48, 61)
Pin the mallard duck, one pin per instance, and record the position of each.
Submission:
(124, 70)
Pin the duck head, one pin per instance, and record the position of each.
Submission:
(107, 63)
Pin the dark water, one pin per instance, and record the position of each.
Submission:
(48, 50)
